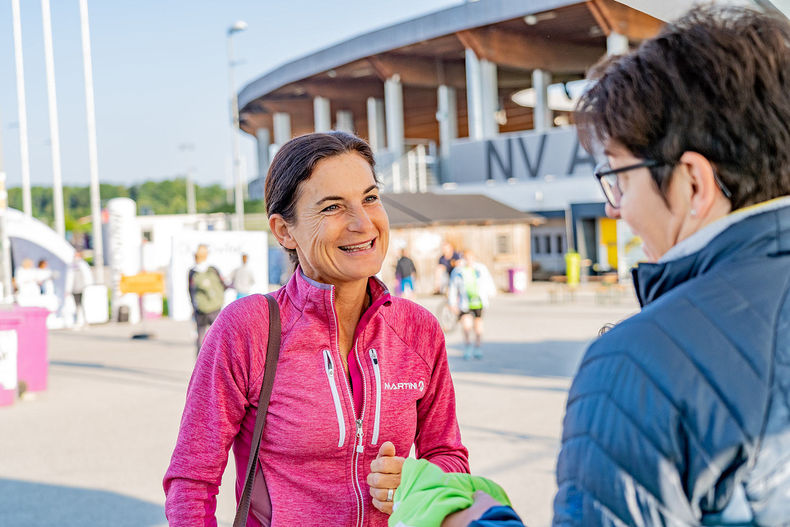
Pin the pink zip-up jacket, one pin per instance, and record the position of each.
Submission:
(320, 436)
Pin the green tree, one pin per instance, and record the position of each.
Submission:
(152, 197)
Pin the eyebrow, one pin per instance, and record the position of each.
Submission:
(340, 198)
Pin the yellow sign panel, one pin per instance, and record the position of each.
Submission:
(608, 239)
(143, 283)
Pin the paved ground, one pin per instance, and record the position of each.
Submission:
(92, 449)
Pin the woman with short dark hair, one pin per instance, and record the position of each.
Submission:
(362, 376)
(680, 415)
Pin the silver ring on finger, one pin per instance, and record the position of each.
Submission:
(390, 494)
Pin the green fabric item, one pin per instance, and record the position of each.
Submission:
(472, 289)
(210, 293)
(427, 494)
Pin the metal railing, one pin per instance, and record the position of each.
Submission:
(415, 171)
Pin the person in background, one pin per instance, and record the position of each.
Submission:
(46, 278)
(81, 277)
(471, 288)
(207, 293)
(405, 271)
(243, 278)
(447, 261)
(28, 288)
(680, 415)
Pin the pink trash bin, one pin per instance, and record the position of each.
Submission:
(9, 320)
(32, 358)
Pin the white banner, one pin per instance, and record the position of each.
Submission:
(224, 252)
(8, 352)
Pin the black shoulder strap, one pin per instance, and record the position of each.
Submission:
(270, 367)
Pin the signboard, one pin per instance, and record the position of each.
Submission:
(142, 283)
(521, 156)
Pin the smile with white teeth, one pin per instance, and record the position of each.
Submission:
(359, 247)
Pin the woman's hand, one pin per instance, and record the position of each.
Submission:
(384, 477)
(462, 518)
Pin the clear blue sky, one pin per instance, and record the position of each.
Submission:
(161, 78)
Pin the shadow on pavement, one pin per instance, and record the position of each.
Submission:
(30, 504)
(154, 339)
(164, 379)
(548, 358)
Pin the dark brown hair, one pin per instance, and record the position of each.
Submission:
(294, 163)
(716, 82)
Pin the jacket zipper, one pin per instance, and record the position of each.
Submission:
(341, 422)
(374, 357)
(359, 448)
(360, 444)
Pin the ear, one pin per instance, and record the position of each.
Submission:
(281, 231)
(705, 199)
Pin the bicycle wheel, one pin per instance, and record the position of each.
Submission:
(447, 319)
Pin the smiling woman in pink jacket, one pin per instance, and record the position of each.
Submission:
(362, 376)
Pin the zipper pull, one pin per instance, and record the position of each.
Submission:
(360, 448)
(330, 368)
(374, 356)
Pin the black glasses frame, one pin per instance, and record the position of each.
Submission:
(601, 172)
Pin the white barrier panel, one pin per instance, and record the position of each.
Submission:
(94, 303)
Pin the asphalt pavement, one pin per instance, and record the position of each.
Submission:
(92, 449)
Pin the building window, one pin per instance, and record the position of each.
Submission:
(504, 244)
(560, 244)
(536, 244)
(548, 243)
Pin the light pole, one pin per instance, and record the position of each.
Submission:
(90, 119)
(5, 244)
(237, 27)
(190, 184)
(22, 107)
(57, 182)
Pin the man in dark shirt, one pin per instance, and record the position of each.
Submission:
(447, 262)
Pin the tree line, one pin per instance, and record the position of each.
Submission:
(152, 197)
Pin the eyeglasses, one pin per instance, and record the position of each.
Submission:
(610, 183)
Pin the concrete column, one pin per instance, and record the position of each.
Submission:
(542, 117)
(322, 115)
(263, 140)
(447, 115)
(616, 44)
(474, 98)
(345, 121)
(393, 102)
(282, 128)
(482, 95)
(490, 94)
(376, 124)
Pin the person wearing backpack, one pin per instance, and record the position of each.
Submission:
(207, 293)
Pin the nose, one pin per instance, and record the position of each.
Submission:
(612, 212)
(359, 221)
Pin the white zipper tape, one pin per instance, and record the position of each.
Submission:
(341, 423)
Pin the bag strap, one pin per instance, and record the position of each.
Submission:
(270, 368)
